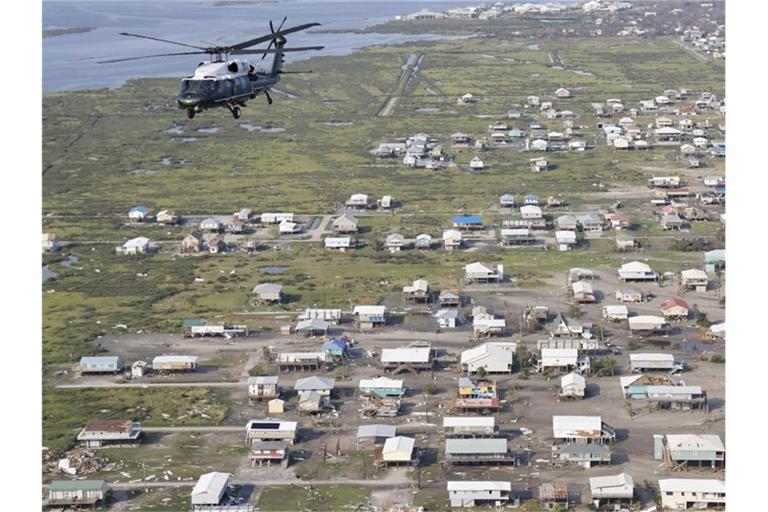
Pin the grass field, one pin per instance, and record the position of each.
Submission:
(285, 499)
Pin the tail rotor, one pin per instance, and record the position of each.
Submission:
(272, 30)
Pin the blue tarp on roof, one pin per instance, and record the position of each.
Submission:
(467, 220)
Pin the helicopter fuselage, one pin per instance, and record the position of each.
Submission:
(223, 84)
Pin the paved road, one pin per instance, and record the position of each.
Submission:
(98, 385)
(386, 482)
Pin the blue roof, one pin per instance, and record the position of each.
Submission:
(140, 208)
(192, 322)
(334, 343)
(507, 197)
(531, 196)
(720, 191)
(467, 220)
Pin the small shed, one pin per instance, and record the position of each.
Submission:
(210, 489)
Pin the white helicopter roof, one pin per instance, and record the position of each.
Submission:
(221, 69)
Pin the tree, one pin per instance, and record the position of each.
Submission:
(430, 389)
(482, 372)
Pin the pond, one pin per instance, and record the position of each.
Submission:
(212, 129)
(175, 130)
(70, 261)
(48, 273)
(261, 129)
(428, 109)
(338, 123)
(273, 270)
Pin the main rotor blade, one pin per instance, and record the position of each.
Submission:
(269, 37)
(275, 50)
(282, 23)
(161, 40)
(149, 57)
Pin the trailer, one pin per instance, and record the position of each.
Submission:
(482, 405)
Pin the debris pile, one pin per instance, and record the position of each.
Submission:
(78, 462)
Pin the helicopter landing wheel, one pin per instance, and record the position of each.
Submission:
(190, 113)
(236, 112)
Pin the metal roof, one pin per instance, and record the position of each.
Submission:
(380, 382)
(705, 442)
(475, 446)
(376, 431)
(175, 359)
(473, 219)
(479, 485)
(692, 485)
(399, 444)
(268, 379)
(211, 483)
(370, 310)
(651, 357)
(405, 355)
(469, 421)
(99, 360)
(267, 288)
(576, 426)
(314, 382)
(77, 485)
(601, 483)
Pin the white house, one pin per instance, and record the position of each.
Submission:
(338, 243)
(611, 487)
(209, 489)
(637, 271)
(138, 245)
(691, 493)
(615, 312)
(573, 385)
(478, 272)
(559, 358)
(530, 211)
(471, 493)
(452, 239)
(289, 228)
(398, 449)
(476, 164)
(490, 356)
(138, 214)
(448, 318)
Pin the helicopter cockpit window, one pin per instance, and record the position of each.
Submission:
(198, 85)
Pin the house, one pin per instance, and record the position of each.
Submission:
(590, 222)
(477, 450)
(466, 99)
(270, 430)
(485, 324)
(530, 211)
(193, 242)
(611, 489)
(625, 242)
(275, 217)
(629, 296)
(555, 496)
(637, 271)
(479, 388)
(100, 364)
(562, 92)
(357, 201)
(50, 242)
(668, 396)
(394, 242)
(714, 260)
(382, 387)
(565, 239)
(268, 292)
(423, 241)
(209, 490)
(668, 134)
(581, 429)
(671, 222)
(385, 203)
(368, 317)
(411, 359)
(398, 450)
(138, 213)
(76, 493)
(265, 387)
(335, 349)
(539, 164)
(643, 362)
(580, 454)
(507, 201)
(449, 299)
(559, 359)
(533, 101)
(572, 385)
(210, 225)
(448, 318)
(138, 245)
(515, 236)
(193, 328)
(692, 493)
(694, 279)
(289, 228)
(646, 324)
(269, 452)
(462, 426)
(565, 326)
(489, 356)
(452, 239)
(674, 309)
(172, 363)
(582, 292)
(566, 223)
(617, 221)
(479, 273)
(345, 223)
(300, 361)
(460, 139)
(103, 433)
(679, 451)
(377, 433)
(471, 493)
(476, 164)
(214, 243)
(417, 292)
(468, 222)
(338, 243)
(312, 327)
(615, 313)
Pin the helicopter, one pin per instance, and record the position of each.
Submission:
(221, 82)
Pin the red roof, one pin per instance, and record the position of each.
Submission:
(674, 302)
